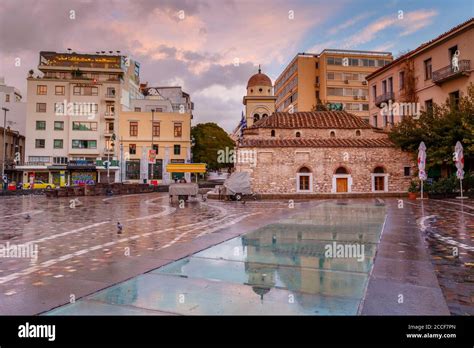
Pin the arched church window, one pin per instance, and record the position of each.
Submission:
(341, 170)
(332, 134)
(256, 117)
(379, 170)
(272, 133)
(358, 133)
(260, 90)
(298, 134)
(264, 115)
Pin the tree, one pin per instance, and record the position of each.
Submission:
(320, 106)
(440, 128)
(209, 139)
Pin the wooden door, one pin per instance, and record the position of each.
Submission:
(341, 184)
(304, 183)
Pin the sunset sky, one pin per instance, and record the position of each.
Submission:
(198, 52)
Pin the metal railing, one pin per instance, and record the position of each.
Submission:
(383, 98)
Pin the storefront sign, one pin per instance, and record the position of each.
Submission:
(81, 164)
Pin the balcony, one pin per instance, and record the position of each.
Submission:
(448, 72)
(109, 115)
(384, 98)
(110, 96)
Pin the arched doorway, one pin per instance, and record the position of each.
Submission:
(304, 180)
(379, 179)
(341, 180)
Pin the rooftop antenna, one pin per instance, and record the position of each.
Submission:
(69, 50)
(259, 69)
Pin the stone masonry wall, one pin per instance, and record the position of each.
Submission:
(275, 170)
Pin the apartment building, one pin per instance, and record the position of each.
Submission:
(11, 98)
(72, 116)
(334, 78)
(151, 138)
(12, 150)
(431, 73)
(163, 99)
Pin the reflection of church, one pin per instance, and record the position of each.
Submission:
(291, 253)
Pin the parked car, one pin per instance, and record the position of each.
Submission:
(40, 185)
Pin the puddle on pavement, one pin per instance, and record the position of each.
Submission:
(278, 269)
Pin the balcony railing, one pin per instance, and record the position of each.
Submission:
(33, 164)
(384, 98)
(449, 72)
(109, 114)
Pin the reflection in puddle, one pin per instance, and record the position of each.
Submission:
(282, 268)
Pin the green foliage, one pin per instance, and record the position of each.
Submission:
(443, 185)
(448, 185)
(414, 187)
(440, 129)
(209, 139)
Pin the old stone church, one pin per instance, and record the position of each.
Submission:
(316, 152)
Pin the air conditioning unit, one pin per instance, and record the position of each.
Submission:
(346, 82)
(356, 97)
(364, 83)
(363, 97)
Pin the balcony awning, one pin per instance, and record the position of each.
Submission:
(186, 168)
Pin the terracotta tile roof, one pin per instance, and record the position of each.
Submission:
(315, 119)
(259, 80)
(333, 142)
(419, 48)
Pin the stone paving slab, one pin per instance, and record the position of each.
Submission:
(403, 268)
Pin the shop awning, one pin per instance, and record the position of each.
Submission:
(186, 168)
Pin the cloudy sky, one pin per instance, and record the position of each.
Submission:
(212, 47)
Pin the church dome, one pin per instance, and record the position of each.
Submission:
(259, 80)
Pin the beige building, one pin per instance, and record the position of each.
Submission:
(432, 73)
(72, 116)
(335, 78)
(167, 133)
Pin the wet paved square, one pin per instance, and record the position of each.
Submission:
(226, 257)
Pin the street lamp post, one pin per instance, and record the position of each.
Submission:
(121, 160)
(4, 154)
(152, 138)
(108, 158)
